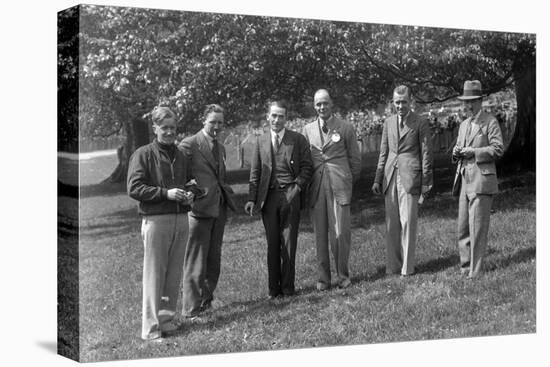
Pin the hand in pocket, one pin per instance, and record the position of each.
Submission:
(291, 192)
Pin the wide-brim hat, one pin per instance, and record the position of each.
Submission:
(472, 90)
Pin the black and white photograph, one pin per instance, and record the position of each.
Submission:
(271, 183)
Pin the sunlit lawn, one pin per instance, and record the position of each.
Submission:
(436, 303)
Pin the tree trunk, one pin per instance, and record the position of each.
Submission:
(521, 154)
(137, 134)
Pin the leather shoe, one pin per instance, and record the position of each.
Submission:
(192, 315)
(206, 305)
(169, 327)
(289, 293)
(344, 283)
(322, 286)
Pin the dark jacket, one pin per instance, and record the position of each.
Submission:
(151, 174)
(295, 149)
(209, 176)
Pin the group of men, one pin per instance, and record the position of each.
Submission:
(184, 198)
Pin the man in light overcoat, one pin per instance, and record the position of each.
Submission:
(336, 165)
(479, 144)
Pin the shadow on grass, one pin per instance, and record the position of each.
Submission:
(518, 257)
(436, 265)
(103, 189)
(117, 223)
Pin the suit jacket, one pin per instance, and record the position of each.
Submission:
(480, 171)
(410, 152)
(203, 168)
(337, 159)
(295, 150)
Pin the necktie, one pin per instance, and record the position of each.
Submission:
(468, 132)
(216, 150)
(277, 142)
(324, 128)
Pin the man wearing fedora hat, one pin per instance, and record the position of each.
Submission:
(478, 146)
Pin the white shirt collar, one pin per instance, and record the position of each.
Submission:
(280, 134)
(326, 121)
(209, 139)
(404, 118)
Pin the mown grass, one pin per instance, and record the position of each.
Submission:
(434, 304)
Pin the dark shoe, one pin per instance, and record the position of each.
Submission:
(206, 305)
(274, 296)
(344, 283)
(196, 319)
(191, 315)
(322, 286)
(170, 327)
(289, 293)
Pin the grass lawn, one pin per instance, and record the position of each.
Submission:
(434, 304)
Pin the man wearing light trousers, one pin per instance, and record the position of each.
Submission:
(478, 146)
(404, 175)
(336, 165)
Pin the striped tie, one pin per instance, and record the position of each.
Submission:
(277, 142)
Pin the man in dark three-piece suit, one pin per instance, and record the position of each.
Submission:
(280, 171)
(404, 174)
(478, 145)
(208, 213)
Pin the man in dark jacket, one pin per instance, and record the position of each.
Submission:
(209, 213)
(281, 170)
(157, 175)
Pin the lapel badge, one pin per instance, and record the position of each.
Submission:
(335, 137)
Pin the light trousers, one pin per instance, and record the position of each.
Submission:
(331, 224)
(474, 211)
(164, 238)
(401, 227)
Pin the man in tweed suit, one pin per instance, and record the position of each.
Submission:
(478, 146)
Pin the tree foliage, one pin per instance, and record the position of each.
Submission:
(132, 59)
